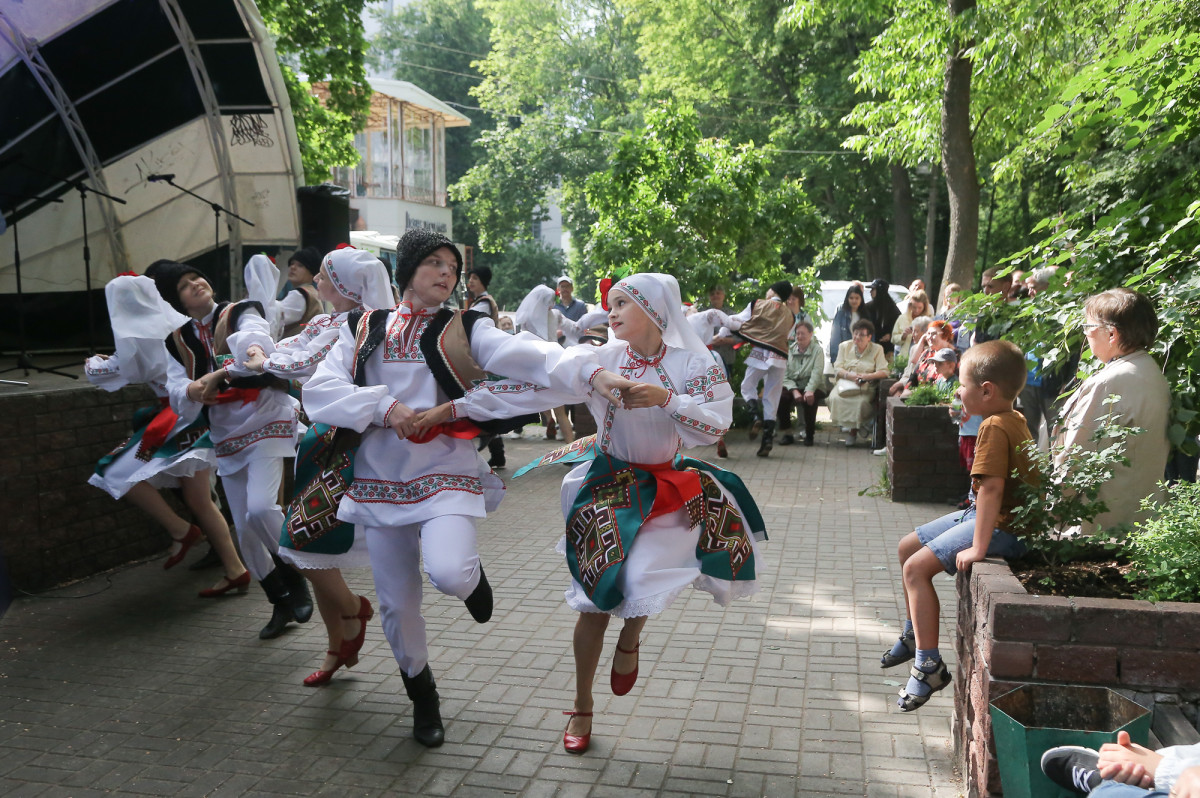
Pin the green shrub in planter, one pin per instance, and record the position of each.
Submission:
(1165, 550)
(932, 394)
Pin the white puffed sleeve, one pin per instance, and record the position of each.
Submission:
(525, 357)
(495, 399)
(331, 397)
(253, 330)
(703, 413)
(291, 307)
(177, 384)
(297, 358)
(105, 372)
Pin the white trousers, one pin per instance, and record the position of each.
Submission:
(253, 494)
(447, 545)
(772, 380)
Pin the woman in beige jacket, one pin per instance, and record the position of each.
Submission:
(1120, 326)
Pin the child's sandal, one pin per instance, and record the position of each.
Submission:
(889, 660)
(937, 680)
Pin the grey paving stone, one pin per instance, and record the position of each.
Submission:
(141, 689)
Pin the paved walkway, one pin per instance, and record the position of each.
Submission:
(127, 684)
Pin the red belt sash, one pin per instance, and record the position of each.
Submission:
(674, 487)
(159, 428)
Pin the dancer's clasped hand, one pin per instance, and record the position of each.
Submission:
(401, 419)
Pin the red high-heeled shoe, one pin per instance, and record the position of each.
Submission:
(622, 683)
(186, 542)
(239, 584)
(576, 743)
(320, 677)
(348, 652)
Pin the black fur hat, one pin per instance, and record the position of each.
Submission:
(309, 258)
(782, 289)
(416, 245)
(484, 273)
(166, 275)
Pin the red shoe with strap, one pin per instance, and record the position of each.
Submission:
(185, 543)
(622, 683)
(576, 743)
(348, 653)
(320, 677)
(239, 584)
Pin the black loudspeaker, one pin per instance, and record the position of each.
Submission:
(324, 216)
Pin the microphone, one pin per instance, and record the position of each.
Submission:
(156, 178)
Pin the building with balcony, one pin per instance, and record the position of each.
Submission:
(400, 183)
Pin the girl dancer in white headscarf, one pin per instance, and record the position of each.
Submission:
(164, 451)
(312, 539)
(642, 523)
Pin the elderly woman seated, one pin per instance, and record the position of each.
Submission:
(857, 368)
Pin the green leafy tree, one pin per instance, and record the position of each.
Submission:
(519, 267)
(321, 41)
(698, 209)
(559, 80)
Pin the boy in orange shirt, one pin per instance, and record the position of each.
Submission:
(992, 376)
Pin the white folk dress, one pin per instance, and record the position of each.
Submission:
(662, 561)
(149, 366)
(297, 358)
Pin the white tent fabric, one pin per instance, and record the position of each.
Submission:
(109, 92)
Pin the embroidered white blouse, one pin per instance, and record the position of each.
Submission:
(241, 431)
(398, 482)
(697, 412)
(296, 358)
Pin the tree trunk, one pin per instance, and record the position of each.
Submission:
(935, 180)
(958, 158)
(904, 261)
(882, 266)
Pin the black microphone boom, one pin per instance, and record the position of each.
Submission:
(156, 178)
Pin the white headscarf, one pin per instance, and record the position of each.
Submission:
(262, 283)
(658, 296)
(533, 314)
(140, 314)
(138, 311)
(359, 276)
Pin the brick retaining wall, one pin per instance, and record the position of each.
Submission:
(1008, 637)
(55, 527)
(922, 454)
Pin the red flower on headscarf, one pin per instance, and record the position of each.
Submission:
(605, 285)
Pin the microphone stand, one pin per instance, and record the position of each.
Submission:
(216, 209)
(83, 189)
(24, 362)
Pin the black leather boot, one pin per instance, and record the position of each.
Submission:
(496, 449)
(755, 409)
(281, 613)
(298, 598)
(479, 603)
(427, 716)
(768, 439)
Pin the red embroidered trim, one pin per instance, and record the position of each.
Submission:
(391, 407)
(667, 401)
(594, 373)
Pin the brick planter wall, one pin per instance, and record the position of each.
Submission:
(55, 527)
(1007, 637)
(922, 452)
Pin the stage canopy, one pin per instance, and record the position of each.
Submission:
(108, 92)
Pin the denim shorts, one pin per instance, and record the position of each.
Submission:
(955, 532)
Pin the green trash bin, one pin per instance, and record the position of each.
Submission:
(1035, 717)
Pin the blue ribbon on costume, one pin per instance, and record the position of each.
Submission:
(581, 450)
